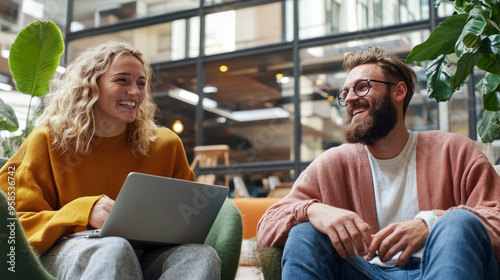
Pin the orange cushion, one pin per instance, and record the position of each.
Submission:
(252, 210)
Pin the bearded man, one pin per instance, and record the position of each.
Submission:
(391, 203)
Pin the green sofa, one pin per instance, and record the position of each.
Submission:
(225, 237)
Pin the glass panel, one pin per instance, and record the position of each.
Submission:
(172, 87)
(161, 42)
(245, 28)
(458, 112)
(323, 17)
(322, 77)
(214, 2)
(446, 9)
(248, 105)
(96, 13)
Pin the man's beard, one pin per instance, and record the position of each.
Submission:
(381, 119)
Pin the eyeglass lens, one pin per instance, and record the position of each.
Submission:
(361, 89)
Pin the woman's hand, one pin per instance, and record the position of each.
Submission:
(100, 212)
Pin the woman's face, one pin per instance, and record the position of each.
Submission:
(121, 92)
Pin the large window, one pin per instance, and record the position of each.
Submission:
(174, 93)
(324, 17)
(248, 104)
(97, 13)
(161, 42)
(243, 28)
(251, 75)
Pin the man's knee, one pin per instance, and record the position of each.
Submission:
(461, 221)
(303, 231)
(305, 239)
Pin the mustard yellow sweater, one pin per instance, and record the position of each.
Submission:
(54, 192)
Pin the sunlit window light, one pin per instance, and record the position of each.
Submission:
(5, 87)
(61, 70)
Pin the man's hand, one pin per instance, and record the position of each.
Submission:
(349, 234)
(100, 212)
(407, 236)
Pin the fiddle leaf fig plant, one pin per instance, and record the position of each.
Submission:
(468, 39)
(33, 60)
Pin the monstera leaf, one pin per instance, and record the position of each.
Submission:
(34, 57)
(472, 35)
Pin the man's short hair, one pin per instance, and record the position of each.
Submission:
(393, 67)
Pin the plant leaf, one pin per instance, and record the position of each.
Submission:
(8, 119)
(489, 63)
(488, 83)
(34, 57)
(465, 66)
(442, 39)
(494, 43)
(495, 14)
(491, 101)
(470, 39)
(438, 79)
(489, 128)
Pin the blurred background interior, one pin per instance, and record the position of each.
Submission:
(251, 83)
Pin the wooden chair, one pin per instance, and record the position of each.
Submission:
(208, 156)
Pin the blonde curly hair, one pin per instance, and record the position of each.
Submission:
(68, 107)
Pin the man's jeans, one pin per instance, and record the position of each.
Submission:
(457, 248)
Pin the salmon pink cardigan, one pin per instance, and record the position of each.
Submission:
(451, 173)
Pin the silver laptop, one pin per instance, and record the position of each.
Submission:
(154, 210)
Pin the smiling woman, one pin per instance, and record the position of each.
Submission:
(96, 128)
(94, 85)
(121, 92)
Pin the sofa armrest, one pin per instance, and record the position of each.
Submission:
(18, 258)
(225, 237)
(270, 262)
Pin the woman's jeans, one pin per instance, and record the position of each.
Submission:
(457, 248)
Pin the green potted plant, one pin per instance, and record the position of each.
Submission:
(468, 39)
(33, 60)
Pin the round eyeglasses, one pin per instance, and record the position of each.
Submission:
(361, 88)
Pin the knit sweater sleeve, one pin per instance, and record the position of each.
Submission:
(273, 228)
(484, 199)
(338, 177)
(36, 198)
(459, 176)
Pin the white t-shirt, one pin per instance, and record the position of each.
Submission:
(395, 189)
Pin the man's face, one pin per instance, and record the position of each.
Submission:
(371, 117)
